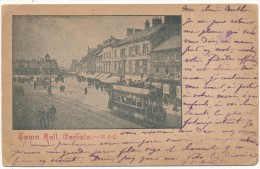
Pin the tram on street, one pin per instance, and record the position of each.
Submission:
(142, 104)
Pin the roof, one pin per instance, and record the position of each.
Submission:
(91, 49)
(96, 51)
(140, 35)
(172, 43)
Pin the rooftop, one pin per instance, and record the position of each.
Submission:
(143, 34)
(172, 43)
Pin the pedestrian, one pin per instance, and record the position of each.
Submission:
(49, 90)
(175, 105)
(34, 85)
(51, 115)
(53, 112)
(165, 100)
(48, 118)
(42, 116)
(86, 90)
(62, 87)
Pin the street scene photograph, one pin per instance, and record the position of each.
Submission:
(96, 72)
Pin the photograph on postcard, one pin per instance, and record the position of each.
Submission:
(96, 72)
(130, 85)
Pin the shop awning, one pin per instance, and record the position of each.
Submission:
(81, 74)
(112, 79)
(99, 76)
(86, 75)
(134, 77)
(104, 77)
(93, 76)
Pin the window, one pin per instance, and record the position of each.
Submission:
(115, 66)
(122, 52)
(157, 72)
(137, 67)
(139, 103)
(137, 50)
(131, 51)
(119, 67)
(166, 72)
(115, 54)
(177, 56)
(110, 55)
(107, 54)
(145, 66)
(145, 49)
(104, 56)
(166, 59)
(130, 66)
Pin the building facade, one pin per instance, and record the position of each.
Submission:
(107, 54)
(166, 67)
(132, 54)
(43, 66)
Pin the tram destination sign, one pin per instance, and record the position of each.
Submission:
(131, 89)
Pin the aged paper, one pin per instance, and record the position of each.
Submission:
(180, 87)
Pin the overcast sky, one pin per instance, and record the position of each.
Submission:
(67, 37)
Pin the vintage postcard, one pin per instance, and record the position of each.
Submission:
(130, 85)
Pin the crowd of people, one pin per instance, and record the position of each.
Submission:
(136, 83)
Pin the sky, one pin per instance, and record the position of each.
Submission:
(67, 37)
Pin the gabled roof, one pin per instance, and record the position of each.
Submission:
(172, 43)
(140, 35)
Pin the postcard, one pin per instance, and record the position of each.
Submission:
(130, 85)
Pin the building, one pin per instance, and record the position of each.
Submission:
(93, 63)
(45, 66)
(166, 67)
(74, 67)
(107, 54)
(132, 54)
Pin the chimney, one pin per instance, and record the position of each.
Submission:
(172, 19)
(147, 25)
(137, 30)
(156, 21)
(129, 31)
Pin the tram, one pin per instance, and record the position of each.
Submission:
(142, 104)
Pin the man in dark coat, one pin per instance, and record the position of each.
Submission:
(51, 115)
(42, 116)
(86, 90)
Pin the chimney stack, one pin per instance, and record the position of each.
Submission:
(129, 31)
(147, 25)
(172, 19)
